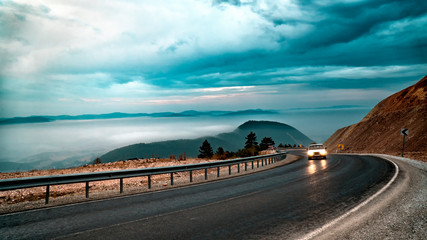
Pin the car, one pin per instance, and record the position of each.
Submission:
(316, 151)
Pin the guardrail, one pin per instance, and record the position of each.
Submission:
(19, 183)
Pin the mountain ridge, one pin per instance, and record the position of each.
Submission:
(115, 115)
(231, 141)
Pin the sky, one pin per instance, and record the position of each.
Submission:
(77, 57)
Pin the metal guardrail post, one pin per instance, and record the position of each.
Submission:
(42, 181)
(217, 172)
(121, 185)
(262, 162)
(87, 189)
(246, 166)
(257, 163)
(47, 194)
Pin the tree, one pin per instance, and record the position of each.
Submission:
(280, 145)
(205, 150)
(245, 152)
(265, 142)
(220, 154)
(251, 140)
(97, 160)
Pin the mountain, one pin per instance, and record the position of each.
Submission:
(379, 130)
(249, 112)
(232, 141)
(49, 160)
(16, 120)
(188, 113)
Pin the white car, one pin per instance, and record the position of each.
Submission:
(316, 151)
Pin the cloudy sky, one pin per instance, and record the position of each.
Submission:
(74, 57)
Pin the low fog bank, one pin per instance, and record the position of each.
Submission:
(63, 144)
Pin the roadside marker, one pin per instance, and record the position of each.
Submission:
(404, 132)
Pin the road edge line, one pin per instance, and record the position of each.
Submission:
(364, 203)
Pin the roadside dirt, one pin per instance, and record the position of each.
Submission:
(32, 198)
(38, 193)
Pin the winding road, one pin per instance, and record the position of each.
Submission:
(284, 202)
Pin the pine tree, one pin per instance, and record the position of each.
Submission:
(205, 150)
(220, 153)
(251, 140)
(97, 160)
(267, 141)
(251, 146)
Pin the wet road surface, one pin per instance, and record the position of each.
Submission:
(287, 201)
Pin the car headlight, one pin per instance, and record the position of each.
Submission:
(323, 152)
(310, 153)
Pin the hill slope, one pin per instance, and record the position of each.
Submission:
(279, 132)
(379, 130)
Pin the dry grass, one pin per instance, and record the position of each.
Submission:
(32, 194)
(30, 198)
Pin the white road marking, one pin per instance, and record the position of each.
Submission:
(340, 218)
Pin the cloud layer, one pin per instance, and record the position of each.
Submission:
(72, 57)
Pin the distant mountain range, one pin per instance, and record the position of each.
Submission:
(232, 141)
(189, 113)
(49, 160)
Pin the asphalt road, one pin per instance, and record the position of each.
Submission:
(284, 202)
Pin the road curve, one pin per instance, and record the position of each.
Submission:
(284, 202)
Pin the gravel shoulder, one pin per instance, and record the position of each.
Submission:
(398, 213)
(74, 193)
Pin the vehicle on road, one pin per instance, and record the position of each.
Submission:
(316, 151)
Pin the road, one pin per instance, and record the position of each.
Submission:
(284, 202)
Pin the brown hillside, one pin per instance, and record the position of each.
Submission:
(379, 130)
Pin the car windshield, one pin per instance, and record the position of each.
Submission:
(312, 147)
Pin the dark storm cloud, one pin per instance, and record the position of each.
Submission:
(365, 33)
(170, 51)
(344, 23)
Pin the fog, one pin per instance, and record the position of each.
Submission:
(86, 139)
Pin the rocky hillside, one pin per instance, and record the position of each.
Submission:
(232, 141)
(379, 130)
